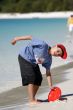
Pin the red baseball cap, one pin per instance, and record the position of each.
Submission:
(64, 55)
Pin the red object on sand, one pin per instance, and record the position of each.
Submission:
(54, 94)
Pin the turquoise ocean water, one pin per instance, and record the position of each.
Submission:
(51, 30)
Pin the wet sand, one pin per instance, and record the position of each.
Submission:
(18, 96)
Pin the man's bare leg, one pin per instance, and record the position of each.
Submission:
(35, 89)
(32, 90)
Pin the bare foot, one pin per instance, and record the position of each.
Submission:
(34, 102)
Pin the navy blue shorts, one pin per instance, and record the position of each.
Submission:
(30, 73)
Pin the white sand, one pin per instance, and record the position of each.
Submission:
(67, 90)
(9, 85)
(36, 15)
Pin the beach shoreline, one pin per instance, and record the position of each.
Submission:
(62, 77)
(64, 14)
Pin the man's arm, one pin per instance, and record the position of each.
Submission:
(49, 78)
(13, 42)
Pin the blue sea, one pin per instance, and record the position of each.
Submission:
(51, 30)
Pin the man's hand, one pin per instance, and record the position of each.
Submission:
(13, 42)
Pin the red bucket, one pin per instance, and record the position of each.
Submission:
(54, 94)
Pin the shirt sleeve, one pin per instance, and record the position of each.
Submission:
(36, 42)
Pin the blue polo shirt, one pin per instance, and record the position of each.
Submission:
(37, 49)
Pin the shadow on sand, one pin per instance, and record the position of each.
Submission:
(62, 98)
